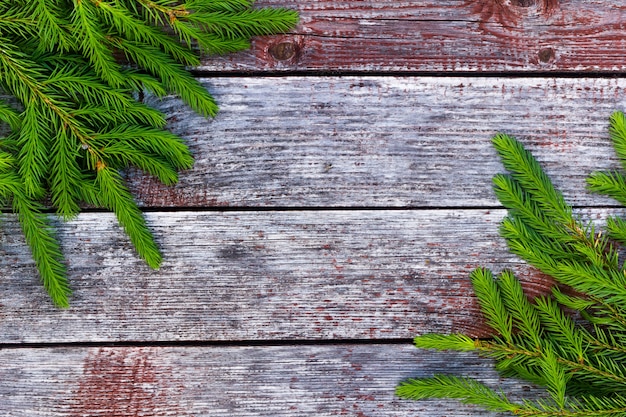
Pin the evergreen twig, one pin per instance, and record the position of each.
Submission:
(582, 362)
(69, 122)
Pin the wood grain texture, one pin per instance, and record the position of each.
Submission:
(347, 267)
(331, 275)
(384, 141)
(351, 380)
(442, 36)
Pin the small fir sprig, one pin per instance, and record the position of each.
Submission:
(70, 72)
(581, 362)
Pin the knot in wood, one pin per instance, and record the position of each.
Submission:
(284, 51)
(546, 55)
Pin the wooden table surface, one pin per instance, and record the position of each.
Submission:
(338, 202)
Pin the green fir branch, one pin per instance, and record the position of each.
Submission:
(526, 170)
(115, 196)
(44, 247)
(580, 362)
(65, 173)
(491, 303)
(525, 317)
(467, 390)
(172, 75)
(74, 121)
(93, 43)
(228, 25)
(458, 342)
(51, 21)
(136, 30)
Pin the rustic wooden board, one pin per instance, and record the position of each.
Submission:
(384, 141)
(314, 275)
(354, 380)
(280, 277)
(442, 36)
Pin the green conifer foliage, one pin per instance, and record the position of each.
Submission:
(70, 72)
(581, 363)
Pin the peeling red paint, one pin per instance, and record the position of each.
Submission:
(497, 9)
(124, 382)
(550, 6)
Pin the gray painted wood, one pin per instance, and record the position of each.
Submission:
(352, 380)
(356, 142)
(384, 141)
(294, 275)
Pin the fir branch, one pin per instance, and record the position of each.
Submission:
(40, 238)
(554, 376)
(219, 5)
(136, 30)
(562, 328)
(617, 133)
(149, 140)
(525, 169)
(521, 205)
(10, 116)
(65, 173)
(612, 184)
(458, 342)
(173, 76)
(94, 44)
(33, 139)
(616, 228)
(116, 197)
(464, 389)
(525, 317)
(579, 362)
(237, 25)
(51, 23)
(573, 302)
(76, 121)
(491, 303)
(44, 247)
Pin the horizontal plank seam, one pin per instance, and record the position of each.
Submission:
(209, 343)
(180, 209)
(341, 208)
(279, 209)
(246, 209)
(199, 73)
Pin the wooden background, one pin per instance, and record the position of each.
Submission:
(338, 202)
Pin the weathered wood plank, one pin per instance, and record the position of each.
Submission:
(442, 35)
(231, 381)
(384, 141)
(262, 276)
